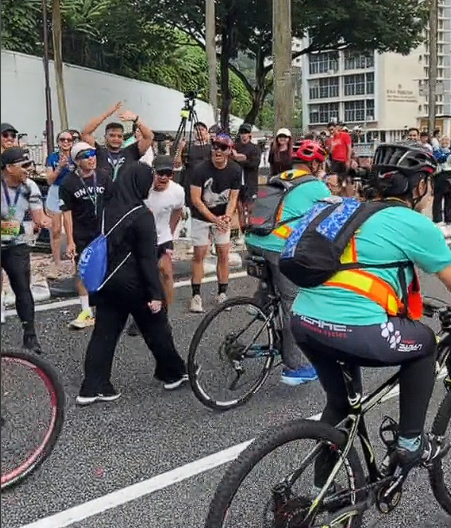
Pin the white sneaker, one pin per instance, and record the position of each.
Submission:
(196, 304)
(171, 385)
(3, 309)
(221, 298)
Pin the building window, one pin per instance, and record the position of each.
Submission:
(324, 88)
(323, 113)
(323, 62)
(358, 61)
(359, 84)
(359, 111)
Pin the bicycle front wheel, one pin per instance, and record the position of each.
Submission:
(272, 482)
(32, 414)
(440, 471)
(231, 354)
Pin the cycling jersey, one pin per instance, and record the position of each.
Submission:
(297, 202)
(392, 235)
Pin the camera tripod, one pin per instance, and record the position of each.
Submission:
(188, 115)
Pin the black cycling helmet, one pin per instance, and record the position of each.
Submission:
(407, 158)
(399, 167)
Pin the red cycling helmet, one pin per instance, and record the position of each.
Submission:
(309, 151)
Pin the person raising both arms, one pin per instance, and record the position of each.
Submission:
(112, 157)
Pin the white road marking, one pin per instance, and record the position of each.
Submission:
(141, 489)
(74, 301)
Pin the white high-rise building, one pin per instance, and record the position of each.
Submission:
(382, 93)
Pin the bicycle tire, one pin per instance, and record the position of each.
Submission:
(47, 447)
(265, 444)
(436, 477)
(193, 368)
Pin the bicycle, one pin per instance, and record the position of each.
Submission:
(233, 348)
(334, 506)
(19, 397)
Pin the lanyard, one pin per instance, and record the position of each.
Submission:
(115, 165)
(7, 197)
(90, 196)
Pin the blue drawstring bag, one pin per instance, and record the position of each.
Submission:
(93, 263)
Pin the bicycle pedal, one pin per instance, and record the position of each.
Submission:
(389, 496)
(389, 431)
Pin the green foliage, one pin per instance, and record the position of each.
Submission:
(162, 41)
(22, 25)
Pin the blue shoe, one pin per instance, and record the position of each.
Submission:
(302, 375)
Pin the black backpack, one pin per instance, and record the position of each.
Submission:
(265, 212)
(313, 251)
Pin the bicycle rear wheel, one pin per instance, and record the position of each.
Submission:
(32, 414)
(440, 471)
(231, 354)
(287, 499)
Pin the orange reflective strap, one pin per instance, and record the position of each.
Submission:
(370, 286)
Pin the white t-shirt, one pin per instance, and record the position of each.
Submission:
(162, 204)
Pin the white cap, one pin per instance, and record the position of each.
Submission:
(80, 146)
(283, 132)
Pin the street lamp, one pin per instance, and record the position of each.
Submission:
(48, 95)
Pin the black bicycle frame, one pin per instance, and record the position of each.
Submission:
(354, 424)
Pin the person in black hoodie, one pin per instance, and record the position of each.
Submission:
(133, 289)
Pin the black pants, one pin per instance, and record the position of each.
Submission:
(409, 344)
(16, 263)
(403, 342)
(441, 205)
(110, 321)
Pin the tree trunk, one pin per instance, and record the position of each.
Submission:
(58, 61)
(226, 55)
(260, 91)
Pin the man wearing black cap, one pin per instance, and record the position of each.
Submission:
(19, 195)
(248, 156)
(9, 136)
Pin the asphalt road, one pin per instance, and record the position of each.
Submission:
(149, 432)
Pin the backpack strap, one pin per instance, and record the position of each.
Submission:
(293, 185)
(118, 222)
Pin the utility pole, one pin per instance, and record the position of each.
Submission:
(281, 50)
(57, 34)
(48, 96)
(210, 47)
(433, 61)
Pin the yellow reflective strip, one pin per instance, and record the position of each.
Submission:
(283, 232)
(346, 257)
(353, 279)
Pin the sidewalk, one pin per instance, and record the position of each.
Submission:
(44, 289)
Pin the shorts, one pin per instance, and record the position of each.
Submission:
(52, 202)
(200, 234)
(339, 167)
(161, 249)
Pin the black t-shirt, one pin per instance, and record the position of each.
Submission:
(216, 186)
(250, 165)
(111, 163)
(84, 197)
(280, 163)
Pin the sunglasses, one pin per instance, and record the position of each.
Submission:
(7, 135)
(166, 173)
(24, 164)
(219, 146)
(86, 155)
(66, 139)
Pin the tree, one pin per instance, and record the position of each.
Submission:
(245, 25)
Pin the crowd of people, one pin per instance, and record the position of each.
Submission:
(128, 193)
